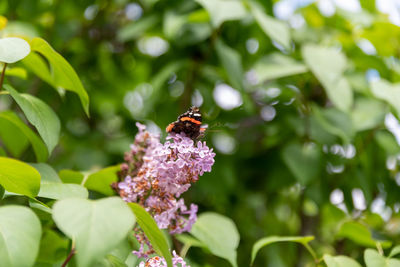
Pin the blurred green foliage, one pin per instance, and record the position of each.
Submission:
(301, 112)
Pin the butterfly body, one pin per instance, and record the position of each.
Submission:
(188, 123)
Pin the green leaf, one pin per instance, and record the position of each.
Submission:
(47, 173)
(71, 177)
(124, 249)
(2, 191)
(232, 63)
(385, 36)
(40, 115)
(373, 259)
(153, 233)
(13, 49)
(340, 261)
(173, 23)
(190, 241)
(277, 30)
(273, 239)
(223, 10)
(360, 234)
(367, 114)
(96, 226)
(36, 204)
(135, 29)
(395, 251)
(164, 74)
(101, 181)
(387, 142)
(393, 262)
(276, 66)
(388, 92)
(328, 65)
(219, 234)
(19, 177)
(304, 161)
(61, 75)
(53, 247)
(335, 122)
(17, 27)
(13, 138)
(38, 65)
(111, 261)
(17, 72)
(38, 146)
(20, 233)
(55, 190)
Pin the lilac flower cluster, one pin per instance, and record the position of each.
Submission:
(155, 175)
(160, 262)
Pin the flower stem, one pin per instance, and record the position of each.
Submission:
(184, 250)
(2, 75)
(379, 248)
(69, 257)
(312, 252)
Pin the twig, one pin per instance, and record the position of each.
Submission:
(2, 75)
(69, 257)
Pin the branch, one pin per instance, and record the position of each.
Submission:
(2, 75)
(69, 257)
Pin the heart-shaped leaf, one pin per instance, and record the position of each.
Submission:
(40, 115)
(388, 92)
(368, 113)
(275, 29)
(372, 258)
(395, 251)
(219, 234)
(96, 226)
(101, 181)
(20, 233)
(13, 49)
(56, 190)
(232, 63)
(47, 173)
(273, 239)
(328, 65)
(335, 122)
(53, 247)
(360, 234)
(340, 261)
(223, 10)
(304, 161)
(71, 177)
(277, 65)
(19, 177)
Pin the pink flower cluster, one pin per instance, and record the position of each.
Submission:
(160, 262)
(155, 175)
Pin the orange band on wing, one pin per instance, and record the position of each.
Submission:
(190, 119)
(169, 127)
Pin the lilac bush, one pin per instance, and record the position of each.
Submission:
(155, 175)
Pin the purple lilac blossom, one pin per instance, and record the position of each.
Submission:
(155, 175)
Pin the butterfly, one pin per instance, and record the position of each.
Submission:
(188, 123)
